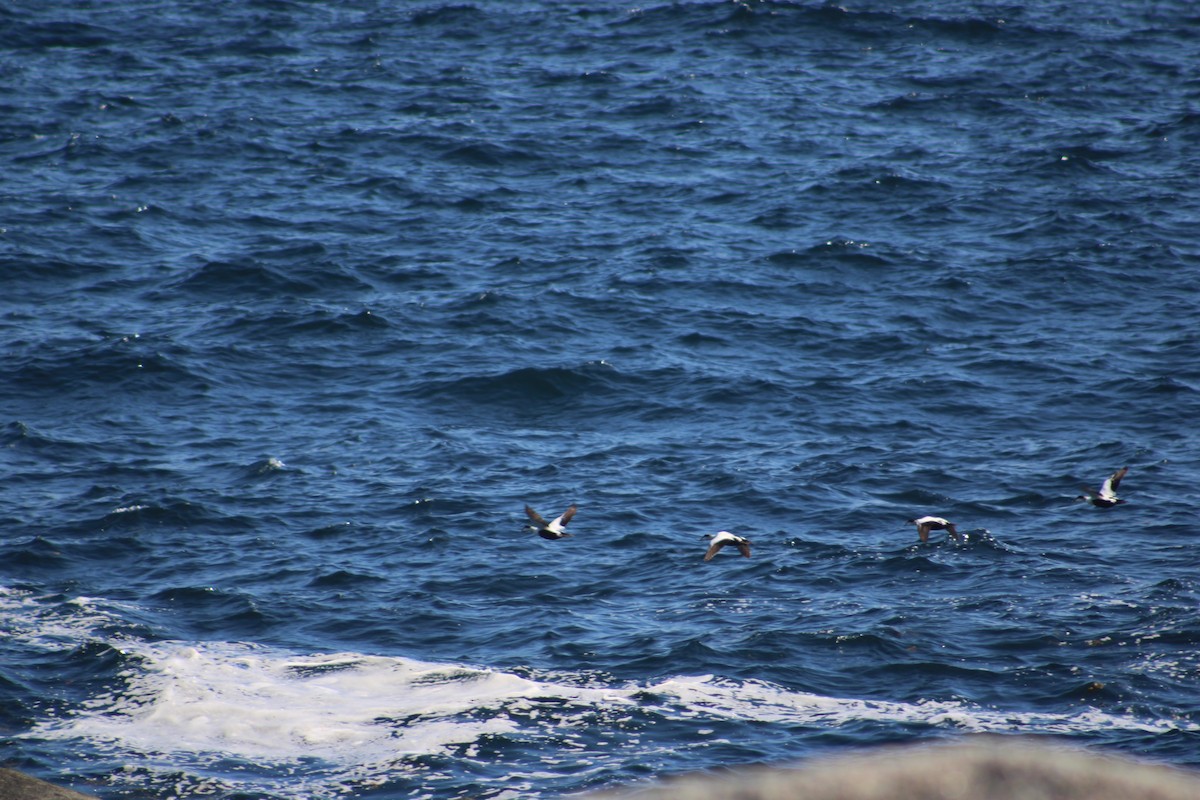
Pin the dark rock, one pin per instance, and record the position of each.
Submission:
(19, 786)
(975, 768)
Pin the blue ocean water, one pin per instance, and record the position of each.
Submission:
(302, 302)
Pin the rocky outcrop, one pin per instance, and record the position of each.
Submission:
(974, 768)
(19, 786)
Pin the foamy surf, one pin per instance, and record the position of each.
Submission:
(265, 706)
(242, 717)
(710, 697)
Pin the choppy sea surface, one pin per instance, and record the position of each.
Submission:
(301, 302)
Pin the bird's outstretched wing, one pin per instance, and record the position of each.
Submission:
(744, 547)
(566, 517)
(1110, 485)
(536, 517)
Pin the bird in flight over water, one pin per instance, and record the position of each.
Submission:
(722, 538)
(927, 524)
(1107, 496)
(552, 529)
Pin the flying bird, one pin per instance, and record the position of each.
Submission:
(1107, 496)
(722, 538)
(552, 529)
(927, 524)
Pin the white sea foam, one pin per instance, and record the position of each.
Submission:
(333, 722)
(267, 706)
(707, 696)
